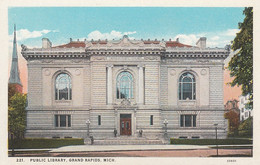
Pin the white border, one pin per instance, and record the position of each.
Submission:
(4, 4)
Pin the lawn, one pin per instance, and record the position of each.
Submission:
(43, 143)
(211, 141)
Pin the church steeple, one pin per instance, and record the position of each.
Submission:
(14, 73)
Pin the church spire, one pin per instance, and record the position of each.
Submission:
(14, 73)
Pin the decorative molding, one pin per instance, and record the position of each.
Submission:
(77, 72)
(47, 72)
(110, 66)
(203, 72)
(125, 67)
(76, 60)
(125, 102)
(152, 58)
(47, 61)
(125, 47)
(140, 65)
(173, 72)
(188, 68)
(99, 58)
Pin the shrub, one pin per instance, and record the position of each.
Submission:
(210, 141)
(245, 129)
(32, 143)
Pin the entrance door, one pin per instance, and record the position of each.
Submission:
(125, 124)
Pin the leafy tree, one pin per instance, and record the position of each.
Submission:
(233, 122)
(246, 128)
(11, 91)
(17, 115)
(241, 65)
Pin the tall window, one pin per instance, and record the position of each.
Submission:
(187, 87)
(124, 85)
(151, 120)
(188, 120)
(99, 119)
(62, 121)
(63, 87)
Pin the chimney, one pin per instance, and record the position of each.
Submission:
(46, 43)
(201, 43)
(70, 39)
(177, 39)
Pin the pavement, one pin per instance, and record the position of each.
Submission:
(100, 148)
(106, 148)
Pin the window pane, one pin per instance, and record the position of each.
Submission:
(194, 120)
(69, 121)
(180, 86)
(117, 93)
(187, 87)
(56, 121)
(182, 121)
(187, 91)
(99, 120)
(62, 120)
(186, 79)
(63, 87)
(187, 120)
(124, 85)
(151, 120)
(194, 91)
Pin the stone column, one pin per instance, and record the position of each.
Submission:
(109, 84)
(134, 123)
(141, 84)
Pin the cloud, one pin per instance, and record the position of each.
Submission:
(231, 32)
(24, 34)
(96, 35)
(215, 38)
(189, 39)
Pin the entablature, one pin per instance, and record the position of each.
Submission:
(195, 52)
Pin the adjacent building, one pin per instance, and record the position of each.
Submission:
(245, 110)
(131, 86)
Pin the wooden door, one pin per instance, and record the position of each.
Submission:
(125, 126)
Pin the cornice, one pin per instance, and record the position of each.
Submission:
(184, 52)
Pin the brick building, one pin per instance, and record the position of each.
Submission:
(96, 87)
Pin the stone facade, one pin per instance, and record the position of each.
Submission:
(96, 109)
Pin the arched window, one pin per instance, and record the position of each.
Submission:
(187, 87)
(63, 87)
(124, 85)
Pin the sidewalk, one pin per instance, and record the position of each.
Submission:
(105, 148)
(99, 148)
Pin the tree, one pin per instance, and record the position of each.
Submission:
(241, 64)
(11, 91)
(246, 128)
(17, 115)
(233, 122)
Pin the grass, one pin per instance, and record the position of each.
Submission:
(35, 143)
(233, 147)
(210, 141)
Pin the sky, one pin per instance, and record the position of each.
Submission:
(218, 24)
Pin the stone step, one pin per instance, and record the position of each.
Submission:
(127, 142)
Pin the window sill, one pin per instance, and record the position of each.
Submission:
(63, 102)
(188, 127)
(187, 102)
(62, 128)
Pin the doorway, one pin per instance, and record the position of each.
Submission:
(125, 124)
